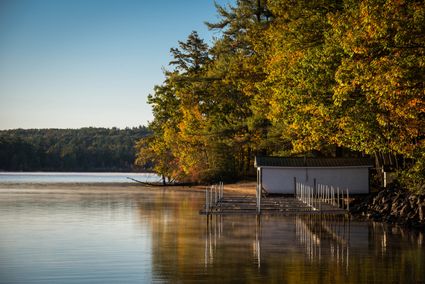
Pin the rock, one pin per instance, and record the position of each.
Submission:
(404, 210)
(386, 208)
(377, 217)
(392, 205)
(412, 215)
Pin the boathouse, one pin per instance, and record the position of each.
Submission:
(278, 175)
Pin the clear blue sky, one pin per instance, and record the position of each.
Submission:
(80, 63)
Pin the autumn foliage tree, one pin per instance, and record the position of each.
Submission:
(293, 77)
(380, 81)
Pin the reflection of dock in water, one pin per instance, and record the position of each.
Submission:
(317, 237)
(324, 236)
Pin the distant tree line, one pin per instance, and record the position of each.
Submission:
(85, 149)
(294, 78)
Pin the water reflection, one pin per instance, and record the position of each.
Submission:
(325, 236)
(319, 236)
(64, 237)
(298, 249)
(140, 236)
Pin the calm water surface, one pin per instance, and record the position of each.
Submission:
(139, 235)
(49, 177)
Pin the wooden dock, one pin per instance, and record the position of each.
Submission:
(306, 200)
(269, 205)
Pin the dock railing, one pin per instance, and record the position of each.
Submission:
(319, 198)
(213, 196)
(321, 195)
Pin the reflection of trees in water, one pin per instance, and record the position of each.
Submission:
(333, 248)
(186, 247)
(386, 235)
(176, 232)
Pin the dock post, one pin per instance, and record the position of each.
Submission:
(258, 201)
(302, 192)
(307, 187)
(334, 195)
(321, 197)
(310, 199)
(221, 190)
(258, 197)
(326, 194)
(258, 190)
(337, 191)
(206, 201)
(319, 193)
(298, 191)
(315, 192)
(312, 196)
(348, 201)
(211, 197)
(329, 195)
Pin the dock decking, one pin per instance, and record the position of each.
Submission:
(269, 205)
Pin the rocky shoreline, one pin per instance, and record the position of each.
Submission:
(391, 205)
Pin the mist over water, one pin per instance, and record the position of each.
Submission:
(87, 177)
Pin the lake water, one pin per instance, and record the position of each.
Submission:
(49, 177)
(129, 234)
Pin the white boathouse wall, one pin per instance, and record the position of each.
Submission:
(280, 180)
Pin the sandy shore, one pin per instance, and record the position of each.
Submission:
(243, 188)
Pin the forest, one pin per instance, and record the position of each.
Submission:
(293, 78)
(85, 149)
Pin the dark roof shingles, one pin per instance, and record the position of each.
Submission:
(291, 162)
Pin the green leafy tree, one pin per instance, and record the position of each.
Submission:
(85, 149)
(380, 81)
(300, 63)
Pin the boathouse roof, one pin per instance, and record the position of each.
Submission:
(301, 162)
